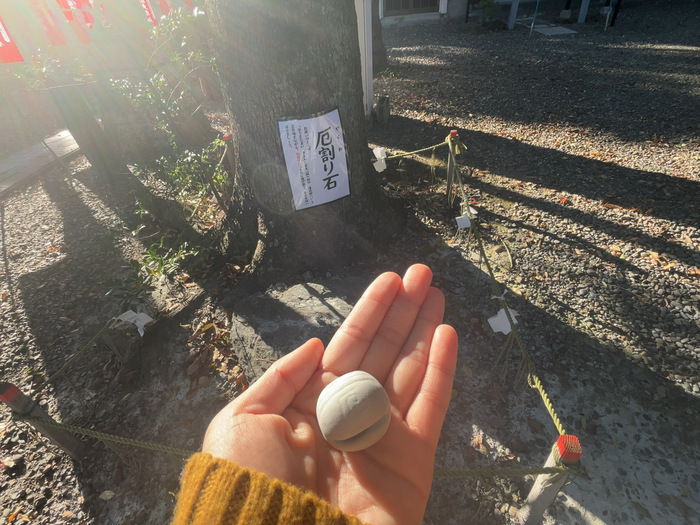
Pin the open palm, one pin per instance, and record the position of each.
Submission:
(395, 334)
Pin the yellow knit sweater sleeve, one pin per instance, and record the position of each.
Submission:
(218, 492)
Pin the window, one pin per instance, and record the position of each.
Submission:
(409, 7)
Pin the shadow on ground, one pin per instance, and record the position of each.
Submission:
(617, 82)
(628, 435)
(624, 413)
(651, 193)
(94, 376)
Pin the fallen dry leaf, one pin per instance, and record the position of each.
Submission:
(241, 379)
(107, 495)
(478, 443)
(506, 457)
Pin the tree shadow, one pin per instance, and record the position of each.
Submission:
(630, 282)
(603, 391)
(592, 386)
(636, 428)
(86, 256)
(67, 311)
(614, 82)
(650, 193)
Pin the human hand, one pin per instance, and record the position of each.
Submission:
(393, 333)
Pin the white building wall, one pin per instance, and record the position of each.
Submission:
(363, 8)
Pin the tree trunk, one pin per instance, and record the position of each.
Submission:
(87, 132)
(295, 59)
(109, 166)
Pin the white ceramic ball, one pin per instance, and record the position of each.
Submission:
(353, 411)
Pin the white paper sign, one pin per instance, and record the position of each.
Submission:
(464, 221)
(380, 164)
(500, 322)
(314, 152)
(140, 320)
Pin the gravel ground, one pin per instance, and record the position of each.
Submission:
(585, 157)
(583, 163)
(589, 163)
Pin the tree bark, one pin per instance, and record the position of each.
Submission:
(87, 132)
(112, 172)
(295, 59)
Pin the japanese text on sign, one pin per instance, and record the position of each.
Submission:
(314, 153)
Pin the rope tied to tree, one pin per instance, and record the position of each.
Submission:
(408, 154)
(104, 436)
(455, 177)
(482, 473)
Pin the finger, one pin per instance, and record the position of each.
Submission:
(398, 322)
(279, 385)
(350, 343)
(427, 412)
(410, 365)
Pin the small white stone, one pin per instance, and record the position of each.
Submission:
(353, 411)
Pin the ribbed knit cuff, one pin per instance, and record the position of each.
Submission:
(217, 492)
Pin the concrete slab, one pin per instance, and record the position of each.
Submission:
(30, 161)
(552, 30)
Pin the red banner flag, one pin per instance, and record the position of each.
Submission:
(85, 6)
(149, 12)
(49, 23)
(164, 7)
(72, 10)
(8, 49)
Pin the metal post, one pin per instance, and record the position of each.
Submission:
(566, 451)
(513, 13)
(534, 17)
(25, 406)
(617, 9)
(584, 11)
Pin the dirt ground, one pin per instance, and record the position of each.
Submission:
(583, 165)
